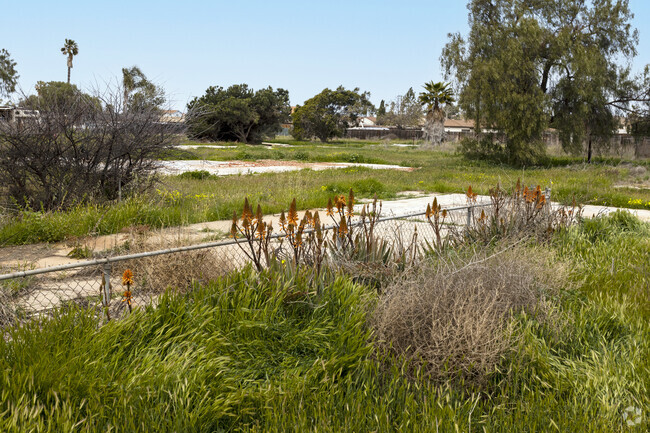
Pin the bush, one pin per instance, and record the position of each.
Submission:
(483, 149)
(489, 148)
(197, 175)
(451, 317)
(80, 148)
(600, 228)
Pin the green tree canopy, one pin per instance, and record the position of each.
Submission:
(58, 96)
(8, 74)
(527, 65)
(140, 93)
(329, 113)
(381, 111)
(434, 97)
(238, 113)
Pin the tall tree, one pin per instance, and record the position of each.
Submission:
(139, 92)
(527, 65)
(69, 49)
(434, 97)
(238, 113)
(381, 111)
(404, 111)
(8, 74)
(329, 113)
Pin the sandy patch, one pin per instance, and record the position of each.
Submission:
(226, 168)
(203, 146)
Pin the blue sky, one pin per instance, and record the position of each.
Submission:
(381, 46)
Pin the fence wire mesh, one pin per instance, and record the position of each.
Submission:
(97, 284)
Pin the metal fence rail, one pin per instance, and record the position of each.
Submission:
(97, 283)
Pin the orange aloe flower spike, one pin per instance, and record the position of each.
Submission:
(246, 213)
(233, 228)
(330, 208)
(343, 227)
(292, 217)
(351, 203)
(127, 278)
(340, 203)
(258, 214)
(261, 229)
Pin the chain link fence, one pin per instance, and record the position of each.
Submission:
(97, 284)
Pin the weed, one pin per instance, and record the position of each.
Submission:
(80, 252)
(197, 175)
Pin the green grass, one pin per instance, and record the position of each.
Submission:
(189, 199)
(263, 353)
(443, 171)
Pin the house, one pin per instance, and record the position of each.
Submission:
(459, 125)
(622, 126)
(367, 121)
(12, 114)
(172, 116)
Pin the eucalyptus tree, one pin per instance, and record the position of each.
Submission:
(70, 49)
(404, 111)
(434, 97)
(8, 74)
(527, 65)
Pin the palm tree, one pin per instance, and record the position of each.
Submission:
(132, 79)
(70, 49)
(435, 96)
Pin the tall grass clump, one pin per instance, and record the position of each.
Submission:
(596, 355)
(206, 362)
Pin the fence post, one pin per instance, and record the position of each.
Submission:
(470, 212)
(106, 289)
(547, 195)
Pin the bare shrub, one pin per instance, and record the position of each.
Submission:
(451, 316)
(80, 147)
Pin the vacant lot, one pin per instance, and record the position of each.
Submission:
(195, 197)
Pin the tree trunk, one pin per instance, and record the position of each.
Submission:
(434, 128)
(589, 151)
(68, 74)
